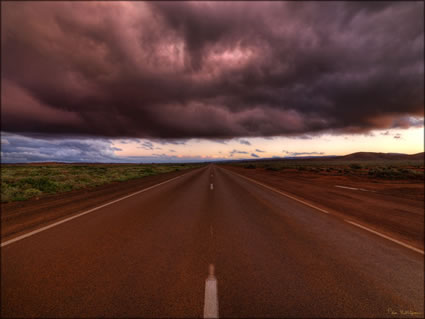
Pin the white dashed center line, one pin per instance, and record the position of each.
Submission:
(211, 299)
(211, 186)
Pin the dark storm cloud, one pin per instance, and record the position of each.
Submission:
(394, 135)
(211, 70)
(236, 152)
(23, 149)
(16, 148)
(146, 145)
(170, 141)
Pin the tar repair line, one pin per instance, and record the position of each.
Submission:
(346, 220)
(211, 299)
(8, 242)
(384, 236)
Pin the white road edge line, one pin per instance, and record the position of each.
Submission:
(284, 194)
(8, 242)
(354, 188)
(385, 236)
(211, 299)
(324, 211)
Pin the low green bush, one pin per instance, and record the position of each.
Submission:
(21, 182)
(32, 192)
(273, 168)
(355, 166)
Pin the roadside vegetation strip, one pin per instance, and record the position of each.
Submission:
(324, 211)
(379, 169)
(8, 242)
(24, 181)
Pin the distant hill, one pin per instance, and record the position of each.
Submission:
(371, 156)
(359, 156)
(418, 156)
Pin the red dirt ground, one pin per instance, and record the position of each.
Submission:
(20, 217)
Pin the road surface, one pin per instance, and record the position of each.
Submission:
(209, 242)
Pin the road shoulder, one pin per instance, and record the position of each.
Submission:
(18, 218)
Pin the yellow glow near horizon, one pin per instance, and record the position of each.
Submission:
(409, 141)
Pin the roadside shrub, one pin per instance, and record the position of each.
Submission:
(273, 168)
(401, 173)
(31, 192)
(65, 187)
(355, 166)
(148, 171)
(250, 166)
(404, 171)
(42, 183)
(416, 174)
(8, 193)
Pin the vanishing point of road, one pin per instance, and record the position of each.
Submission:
(208, 244)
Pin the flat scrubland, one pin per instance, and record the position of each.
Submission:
(20, 182)
(385, 195)
(380, 169)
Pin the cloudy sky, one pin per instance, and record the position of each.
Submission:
(190, 81)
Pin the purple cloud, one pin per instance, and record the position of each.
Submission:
(179, 70)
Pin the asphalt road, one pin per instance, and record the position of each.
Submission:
(150, 254)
